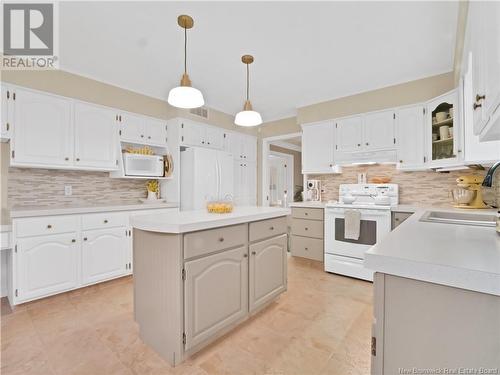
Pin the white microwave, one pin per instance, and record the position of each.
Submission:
(143, 165)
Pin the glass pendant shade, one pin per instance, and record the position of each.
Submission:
(248, 118)
(185, 97)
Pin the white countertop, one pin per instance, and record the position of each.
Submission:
(84, 208)
(189, 221)
(461, 256)
(308, 204)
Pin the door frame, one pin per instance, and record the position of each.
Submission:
(266, 142)
(290, 166)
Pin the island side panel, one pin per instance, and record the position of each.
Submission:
(158, 297)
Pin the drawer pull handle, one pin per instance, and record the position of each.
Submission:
(271, 228)
(85, 238)
(221, 239)
(73, 240)
(49, 226)
(245, 255)
(105, 221)
(253, 253)
(306, 213)
(307, 248)
(306, 228)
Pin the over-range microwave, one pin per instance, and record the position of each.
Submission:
(143, 165)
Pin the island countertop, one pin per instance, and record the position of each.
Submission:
(460, 256)
(189, 221)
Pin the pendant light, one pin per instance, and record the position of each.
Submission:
(185, 96)
(247, 117)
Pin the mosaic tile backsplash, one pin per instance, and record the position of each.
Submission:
(44, 187)
(419, 188)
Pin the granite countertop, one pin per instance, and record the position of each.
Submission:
(460, 256)
(189, 221)
(84, 207)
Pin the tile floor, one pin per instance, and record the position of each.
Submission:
(321, 325)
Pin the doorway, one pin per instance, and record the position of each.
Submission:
(282, 180)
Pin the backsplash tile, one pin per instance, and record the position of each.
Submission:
(44, 187)
(422, 188)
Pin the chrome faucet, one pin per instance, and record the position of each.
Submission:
(488, 179)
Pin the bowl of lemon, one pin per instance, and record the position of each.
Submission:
(220, 207)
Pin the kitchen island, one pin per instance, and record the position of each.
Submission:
(198, 275)
(436, 296)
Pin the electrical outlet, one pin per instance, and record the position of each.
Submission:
(68, 190)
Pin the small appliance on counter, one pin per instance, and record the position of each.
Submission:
(468, 194)
(313, 191)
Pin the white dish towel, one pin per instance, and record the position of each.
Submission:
(352, 222)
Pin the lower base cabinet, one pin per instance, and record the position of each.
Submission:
(46, 265)
(215, 293)
(267, 270)
(104, 254)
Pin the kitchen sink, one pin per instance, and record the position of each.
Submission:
(463, 218)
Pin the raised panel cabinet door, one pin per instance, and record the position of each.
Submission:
(267, 270)
(43, 129)
(96, 136)
(410, 127)
(214, 137)
(156, 131)
(215, 294)
(349, 134)
(104, 254)
(317, 147)
(251, 171)
(133, 127)
(192, 134)
(249, 146)
(46, 265)
(378, 131)
(235, 145)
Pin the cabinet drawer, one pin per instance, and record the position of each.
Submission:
(307, 228)
(46, 225)
(307, 213)
(211, 240)
(307, 247)
(267, 228)
(104, 220)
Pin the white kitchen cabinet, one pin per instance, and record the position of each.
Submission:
(214, 137)
(349, 134)
(156, 131)
(483, 31)
(267, 270)
(410, 127)
(443, 148)
(96, 136)
(245, 183)
(6, 114)
(104, 254)
(133, 127)
(242, 146)
(46, 265)
(378, 131)
(201, 135)
(318, 147)
(215, 294)
(43, 134)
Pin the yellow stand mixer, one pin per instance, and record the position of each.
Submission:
(468, 194)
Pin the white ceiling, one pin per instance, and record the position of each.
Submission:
(305, 52)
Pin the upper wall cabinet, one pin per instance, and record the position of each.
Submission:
(42, 130)
(142, 129)
(318, 147)
(201, 135)
(379, 130)
(242, 146)
(410, 127)
(443, 130)
(483, 34)
(349, 134)
(96, 136)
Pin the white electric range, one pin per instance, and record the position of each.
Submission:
(373, 201)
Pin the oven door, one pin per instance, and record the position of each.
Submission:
(375, 224)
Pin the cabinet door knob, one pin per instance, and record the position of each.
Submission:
(142, 135)
(49, 226)
(306, 248)
(105, 221)
(221, 239)
(359, 144)
(307, 228)
(85, 238)
(253, 253)
(77, 159)
(367, 144)
(480, 97)
(66, 159)
(149, 137)
(306, 213)
(401, 161)
(245, 255)
(271, 228)
(73, 240)
(476, 106)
